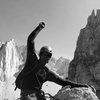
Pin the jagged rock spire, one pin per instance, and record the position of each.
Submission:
(98, 16)
(98, 13)
(94, 19)
(91, 19)
(85, 66)
(93, 13)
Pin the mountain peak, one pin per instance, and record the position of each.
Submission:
(94, 19)
(9, 59)
(98, 13)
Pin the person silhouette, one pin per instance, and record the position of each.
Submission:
(35, 72)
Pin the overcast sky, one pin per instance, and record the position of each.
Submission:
(63, 19)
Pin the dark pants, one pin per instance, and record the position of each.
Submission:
(32, 95)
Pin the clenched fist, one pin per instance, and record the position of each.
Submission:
(42, 25)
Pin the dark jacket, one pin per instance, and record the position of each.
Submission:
(35, 74)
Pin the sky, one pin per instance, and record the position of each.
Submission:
(63, 18)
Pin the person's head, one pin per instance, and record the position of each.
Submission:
(45, 54)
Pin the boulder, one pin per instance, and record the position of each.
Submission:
(67, 93)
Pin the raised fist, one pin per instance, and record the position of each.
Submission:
(42, 24)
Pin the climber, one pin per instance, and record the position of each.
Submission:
(35, 73)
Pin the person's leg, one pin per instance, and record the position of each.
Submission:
(30, 97)
(40, 95)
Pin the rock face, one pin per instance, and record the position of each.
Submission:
(85, 66)
(10, 60)
(76, 94)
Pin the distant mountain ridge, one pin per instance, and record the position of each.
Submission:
(10, 59)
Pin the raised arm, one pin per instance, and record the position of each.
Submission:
(31, 54)
(32, 36)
